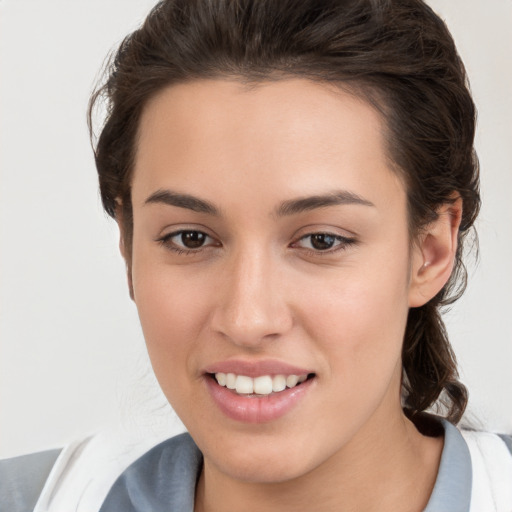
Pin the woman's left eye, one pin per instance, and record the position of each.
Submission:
(187, 240)
(323, 242)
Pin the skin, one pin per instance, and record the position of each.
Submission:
(257, 289)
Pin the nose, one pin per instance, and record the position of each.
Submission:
(251, 305)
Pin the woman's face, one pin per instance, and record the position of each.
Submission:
(270, 240)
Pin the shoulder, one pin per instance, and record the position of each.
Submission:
(488, 446)
(80, 475)
(475, 471)
(491, 460)
(86, 471)
(162, 479)
(22, 479)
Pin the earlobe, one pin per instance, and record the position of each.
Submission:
(434, 254)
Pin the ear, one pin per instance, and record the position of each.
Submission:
(434, 253)
(124, 247)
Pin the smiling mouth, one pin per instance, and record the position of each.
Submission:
(261, 386)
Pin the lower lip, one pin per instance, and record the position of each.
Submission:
(255, 409)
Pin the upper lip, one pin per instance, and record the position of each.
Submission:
(255, 368)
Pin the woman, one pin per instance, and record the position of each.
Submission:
(293, 182)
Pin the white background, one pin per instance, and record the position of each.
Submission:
(72, 358)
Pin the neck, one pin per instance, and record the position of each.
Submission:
(389, 466)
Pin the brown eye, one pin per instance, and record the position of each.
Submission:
(322, 241)
(192, 239)
(189, 240)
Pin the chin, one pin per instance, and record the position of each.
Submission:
(267, 471)
(263, 458)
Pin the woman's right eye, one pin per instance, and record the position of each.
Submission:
(187, 240)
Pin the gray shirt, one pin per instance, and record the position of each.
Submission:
(164, 478)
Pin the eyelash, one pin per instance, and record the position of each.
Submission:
(166, 242)
(343, 243)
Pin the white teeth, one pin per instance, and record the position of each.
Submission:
(278, 383)
(263, 385)
(292, 380)
(230, 381)
(244, 385)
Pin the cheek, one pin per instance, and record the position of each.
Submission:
(358, 319)
(172, 314)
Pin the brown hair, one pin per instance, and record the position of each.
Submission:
(397, 54)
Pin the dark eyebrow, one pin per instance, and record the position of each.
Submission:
(305, 204)
(182, 201)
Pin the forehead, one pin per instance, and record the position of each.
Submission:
(295, 135)
(296, 106)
